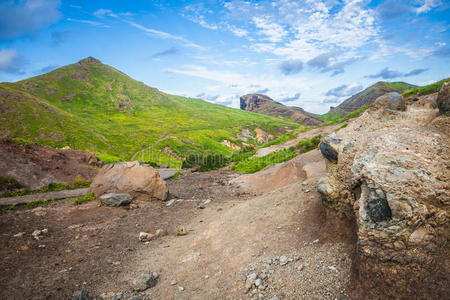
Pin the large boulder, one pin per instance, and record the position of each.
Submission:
(392, 101)
(443, 99)
(134, 178)
(392, 178)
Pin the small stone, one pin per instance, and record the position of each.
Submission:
(171, 202)
(274, 298)
(180, 288)
(207, 201)
(36, 234)
(115, 200)
(147, 280)
(262, 275)
(206, 276)
(80, 295)
(257, 282)
(161, 232)
(145, 237)
(333, 268)
(201, 206)
(300, 267)
(173, 282)
(19, 234)
(283, 260)
(181, 230)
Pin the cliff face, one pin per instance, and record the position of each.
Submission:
(388, 170)
(265, 105)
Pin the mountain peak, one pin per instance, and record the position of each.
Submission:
(90, 61)
(265, 105)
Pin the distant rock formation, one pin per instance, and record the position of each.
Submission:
(369, 95)
(388, 170)
(265, 105)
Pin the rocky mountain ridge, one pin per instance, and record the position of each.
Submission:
(265, 105)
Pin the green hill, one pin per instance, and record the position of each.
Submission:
(364, 98)
(93, 107)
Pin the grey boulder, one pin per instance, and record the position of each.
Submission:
(116, 200)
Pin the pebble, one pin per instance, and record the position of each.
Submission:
(283, 260)
(173, 282)
(147, 280)
(333, 268)
(19, 234)
(161, 232)
(181, 230)
(300, 267)
(171, 202)
(180, 288)
(145, 237)
(257, 282)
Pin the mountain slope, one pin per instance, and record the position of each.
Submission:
(265, 105)
(365, 97)
(94, 107)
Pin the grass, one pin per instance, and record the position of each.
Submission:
(78, 183)
(95, 108)
(425, 90)
(84, 199)
(252, 165)
(349, 116)
(177, 175)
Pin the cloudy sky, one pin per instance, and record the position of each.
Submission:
(312, 54)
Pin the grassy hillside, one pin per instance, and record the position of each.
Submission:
(364, 98)
(93, 107)
(425, 90)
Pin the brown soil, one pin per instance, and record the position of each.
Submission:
(94, 248)
(34, 166)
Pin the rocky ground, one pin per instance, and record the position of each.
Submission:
(275, 245)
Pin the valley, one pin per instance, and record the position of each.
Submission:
(168, 197)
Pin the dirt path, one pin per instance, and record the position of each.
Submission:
(20, 200)
(284, 234)
(324, 131)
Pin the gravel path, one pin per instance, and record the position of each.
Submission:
(20, 200)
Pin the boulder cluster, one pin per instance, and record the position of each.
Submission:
(389, 171)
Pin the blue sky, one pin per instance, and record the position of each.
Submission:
(312, 54)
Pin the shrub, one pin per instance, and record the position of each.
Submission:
(84, 199)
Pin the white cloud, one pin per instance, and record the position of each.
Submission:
(237, 31)
(273, 32)
(11, 61)
(427, 6)
(89, 22)
(165, 35)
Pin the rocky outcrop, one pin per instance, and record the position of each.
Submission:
(389, 172)
(262, 136)
(443, 99)
(392, 101)
(134, 178)
(265, 105)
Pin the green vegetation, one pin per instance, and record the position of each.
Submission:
(343, 126)
(93, 107)
(8, 183)
(349, 116)
(9, 207)
(177, 175)
(78, 183)
(84, 199)
(37, 203)
(255, 164)
(425, 90)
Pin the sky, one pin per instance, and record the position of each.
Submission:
(311, 54)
